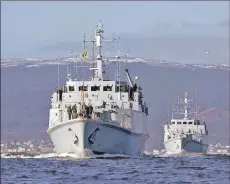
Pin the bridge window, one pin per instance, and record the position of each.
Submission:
(190, 123)
(71, 88)
(178, 123)
(184, 123)
(83, 89)
(95, 88)
(197, 122)
(120, 89)
(173, 123)
(107, 88)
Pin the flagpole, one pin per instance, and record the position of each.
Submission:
(93, 58)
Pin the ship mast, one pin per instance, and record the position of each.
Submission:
(99, 70)
(186, 110)
(84, 46)
(186, 105)
(98, 37)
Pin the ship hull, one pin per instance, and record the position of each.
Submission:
(181, 145)
(100, 138)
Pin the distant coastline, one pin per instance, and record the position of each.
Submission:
(34, 62)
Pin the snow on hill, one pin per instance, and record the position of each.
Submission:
(33, 62)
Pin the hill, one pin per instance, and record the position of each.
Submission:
(26, 94)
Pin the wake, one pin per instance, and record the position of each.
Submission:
(88, 154)
(79, 155)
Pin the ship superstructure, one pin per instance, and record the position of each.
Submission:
(187, 133)
(98, 114)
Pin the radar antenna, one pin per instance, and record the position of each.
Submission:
(99, 38)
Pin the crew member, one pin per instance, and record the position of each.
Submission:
(90, 110)
(131, 95)
(87, 111)
(69, 111)
(60, 91)
(74, 111)
(135, 88)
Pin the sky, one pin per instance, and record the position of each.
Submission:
(40, 29)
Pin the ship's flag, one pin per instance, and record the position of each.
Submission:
(85, 54)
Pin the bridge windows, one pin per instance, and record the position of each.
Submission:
(95, 88)
(197, 122)
(71, 88)
(178, 122)
(184, 123)
(107, 88)
(173, 123)
(190, 123)
(119, 88)
(83, 88)
(122, 88)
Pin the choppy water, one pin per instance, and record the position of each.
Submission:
(70, 168)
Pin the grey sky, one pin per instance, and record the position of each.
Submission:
(29, 28)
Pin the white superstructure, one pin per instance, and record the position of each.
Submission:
(185, 133)
(102, 115)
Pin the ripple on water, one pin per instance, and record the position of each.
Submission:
(67, 168)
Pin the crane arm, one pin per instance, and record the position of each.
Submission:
(128, 76)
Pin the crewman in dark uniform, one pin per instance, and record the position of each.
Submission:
(74, 111)
(69, 111)
(90, 111)
(60, 91)
(87, 111)
(131, 93)
(135, 88)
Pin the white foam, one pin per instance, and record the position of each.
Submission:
(80, 154)
(28, 66)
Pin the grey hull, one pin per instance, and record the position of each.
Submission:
(184, 145)
(98, 137)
